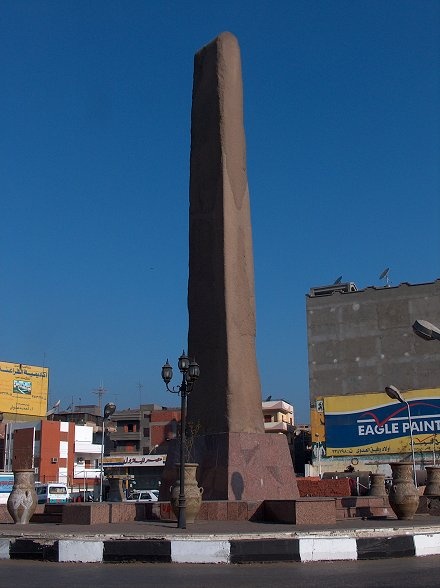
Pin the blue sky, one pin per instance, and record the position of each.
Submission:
(343, 149)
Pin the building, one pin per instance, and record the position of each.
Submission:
(57, 451)
(278, 418)
(143, 430)
(359, 342)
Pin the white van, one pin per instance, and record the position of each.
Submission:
(52, 493)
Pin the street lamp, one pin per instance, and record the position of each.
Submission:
(395, 394)
(429, 332)
(319, 454)
(426, 330)
(109, 409)
(190, 372)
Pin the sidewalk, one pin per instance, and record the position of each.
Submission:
(221, 541)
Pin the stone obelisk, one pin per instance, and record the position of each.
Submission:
(238, 460)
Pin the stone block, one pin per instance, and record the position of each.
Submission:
(325, 487)
(303, 511)
(217, 511)
(86, 513)
(318, 511)
(121, 512)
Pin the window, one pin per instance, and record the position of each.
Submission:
(147, 432)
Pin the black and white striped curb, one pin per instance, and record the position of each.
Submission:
(222, 551)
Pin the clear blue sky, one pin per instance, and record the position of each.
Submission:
(343, 150)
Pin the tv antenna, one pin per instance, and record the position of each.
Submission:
(383, 275)
(337, 281)
(100, 393)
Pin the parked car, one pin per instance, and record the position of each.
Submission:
(144, 496)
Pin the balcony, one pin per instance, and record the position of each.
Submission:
(125, 436)
(279, 427)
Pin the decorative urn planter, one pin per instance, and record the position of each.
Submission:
(377, 485)
(22, 501)
(193, 493)
(433, 481)
(403, 496)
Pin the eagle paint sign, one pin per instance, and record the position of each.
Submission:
(373, 424)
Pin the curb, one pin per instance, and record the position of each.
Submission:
(221, 551)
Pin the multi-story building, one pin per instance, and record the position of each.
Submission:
(278, 416)
(359, 342)
(143, 430)
(58, 451)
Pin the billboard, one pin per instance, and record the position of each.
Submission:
(23, 389)
(373, 424)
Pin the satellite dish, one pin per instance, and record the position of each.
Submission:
(383, 275)
(338, 280)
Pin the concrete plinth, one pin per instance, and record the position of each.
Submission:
(239, 466)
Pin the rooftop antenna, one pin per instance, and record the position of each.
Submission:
(100, 391)
(54, 408)
(337, 281)
(140, 386)
(383, 275)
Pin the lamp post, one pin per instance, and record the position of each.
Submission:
(190, 372)
(426, 330)
(109, 409)
(319, 454)
(394, 394)
(429, 332)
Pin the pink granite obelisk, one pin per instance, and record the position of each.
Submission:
(238, 460)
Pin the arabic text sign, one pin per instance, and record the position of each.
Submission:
(136, 460)
(372, 423)
(23, 389)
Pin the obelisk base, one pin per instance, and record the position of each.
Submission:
(238, 466)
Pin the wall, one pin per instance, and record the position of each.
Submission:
(360, 342)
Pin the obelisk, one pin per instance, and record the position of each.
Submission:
(238, 460)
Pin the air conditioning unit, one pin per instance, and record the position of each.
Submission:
(54, 460)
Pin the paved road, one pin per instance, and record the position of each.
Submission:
(404, 572)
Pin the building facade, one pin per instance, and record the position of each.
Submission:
(57, 451)
(359, 342)
(143, 430)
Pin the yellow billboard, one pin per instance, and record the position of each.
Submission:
(23, 389)
(372, 424)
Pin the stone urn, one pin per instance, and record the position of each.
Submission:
(432, 487)
(403, 496)
(377, 487)
(193, 493)
(22, 501)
